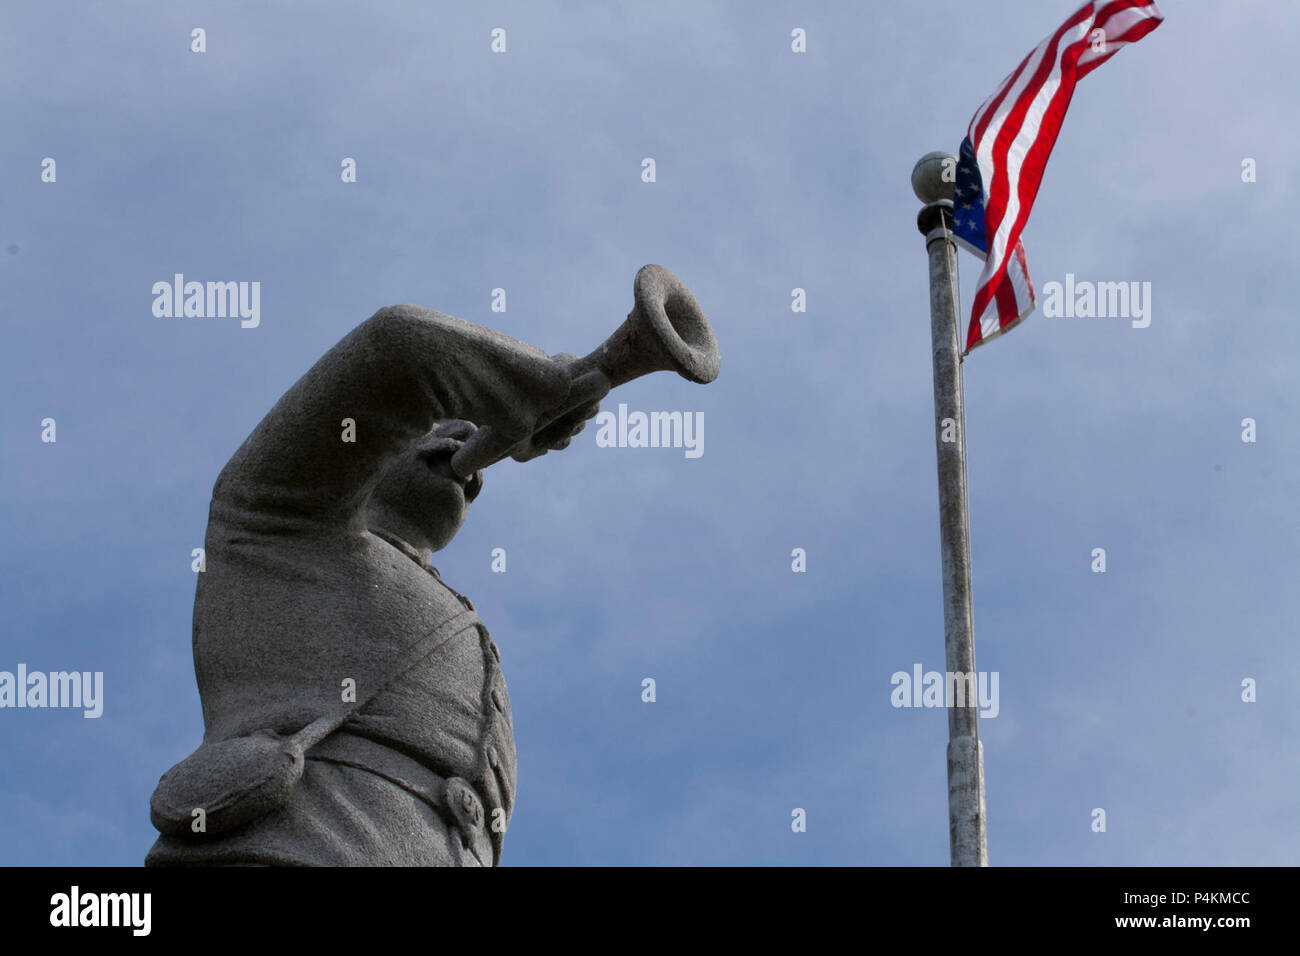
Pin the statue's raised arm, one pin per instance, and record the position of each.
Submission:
(323, 447)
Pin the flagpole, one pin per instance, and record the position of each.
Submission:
(967, 823)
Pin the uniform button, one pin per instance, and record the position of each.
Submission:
(471, 806)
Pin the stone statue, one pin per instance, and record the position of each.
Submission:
(354, 708)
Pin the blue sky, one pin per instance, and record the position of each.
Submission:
(774, 170)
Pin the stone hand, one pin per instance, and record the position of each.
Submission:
(553, 430)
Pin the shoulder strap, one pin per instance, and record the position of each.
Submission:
(322, 727)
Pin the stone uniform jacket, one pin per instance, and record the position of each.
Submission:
(299, 597)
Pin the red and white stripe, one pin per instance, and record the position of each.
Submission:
(1013, 133)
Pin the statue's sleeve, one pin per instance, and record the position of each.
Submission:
(393, 376)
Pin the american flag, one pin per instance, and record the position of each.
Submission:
(1006, 149)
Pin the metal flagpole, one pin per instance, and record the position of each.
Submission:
(967, 824)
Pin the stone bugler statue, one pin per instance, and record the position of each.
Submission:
(354, 708)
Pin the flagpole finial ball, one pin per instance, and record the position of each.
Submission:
(933, 176)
